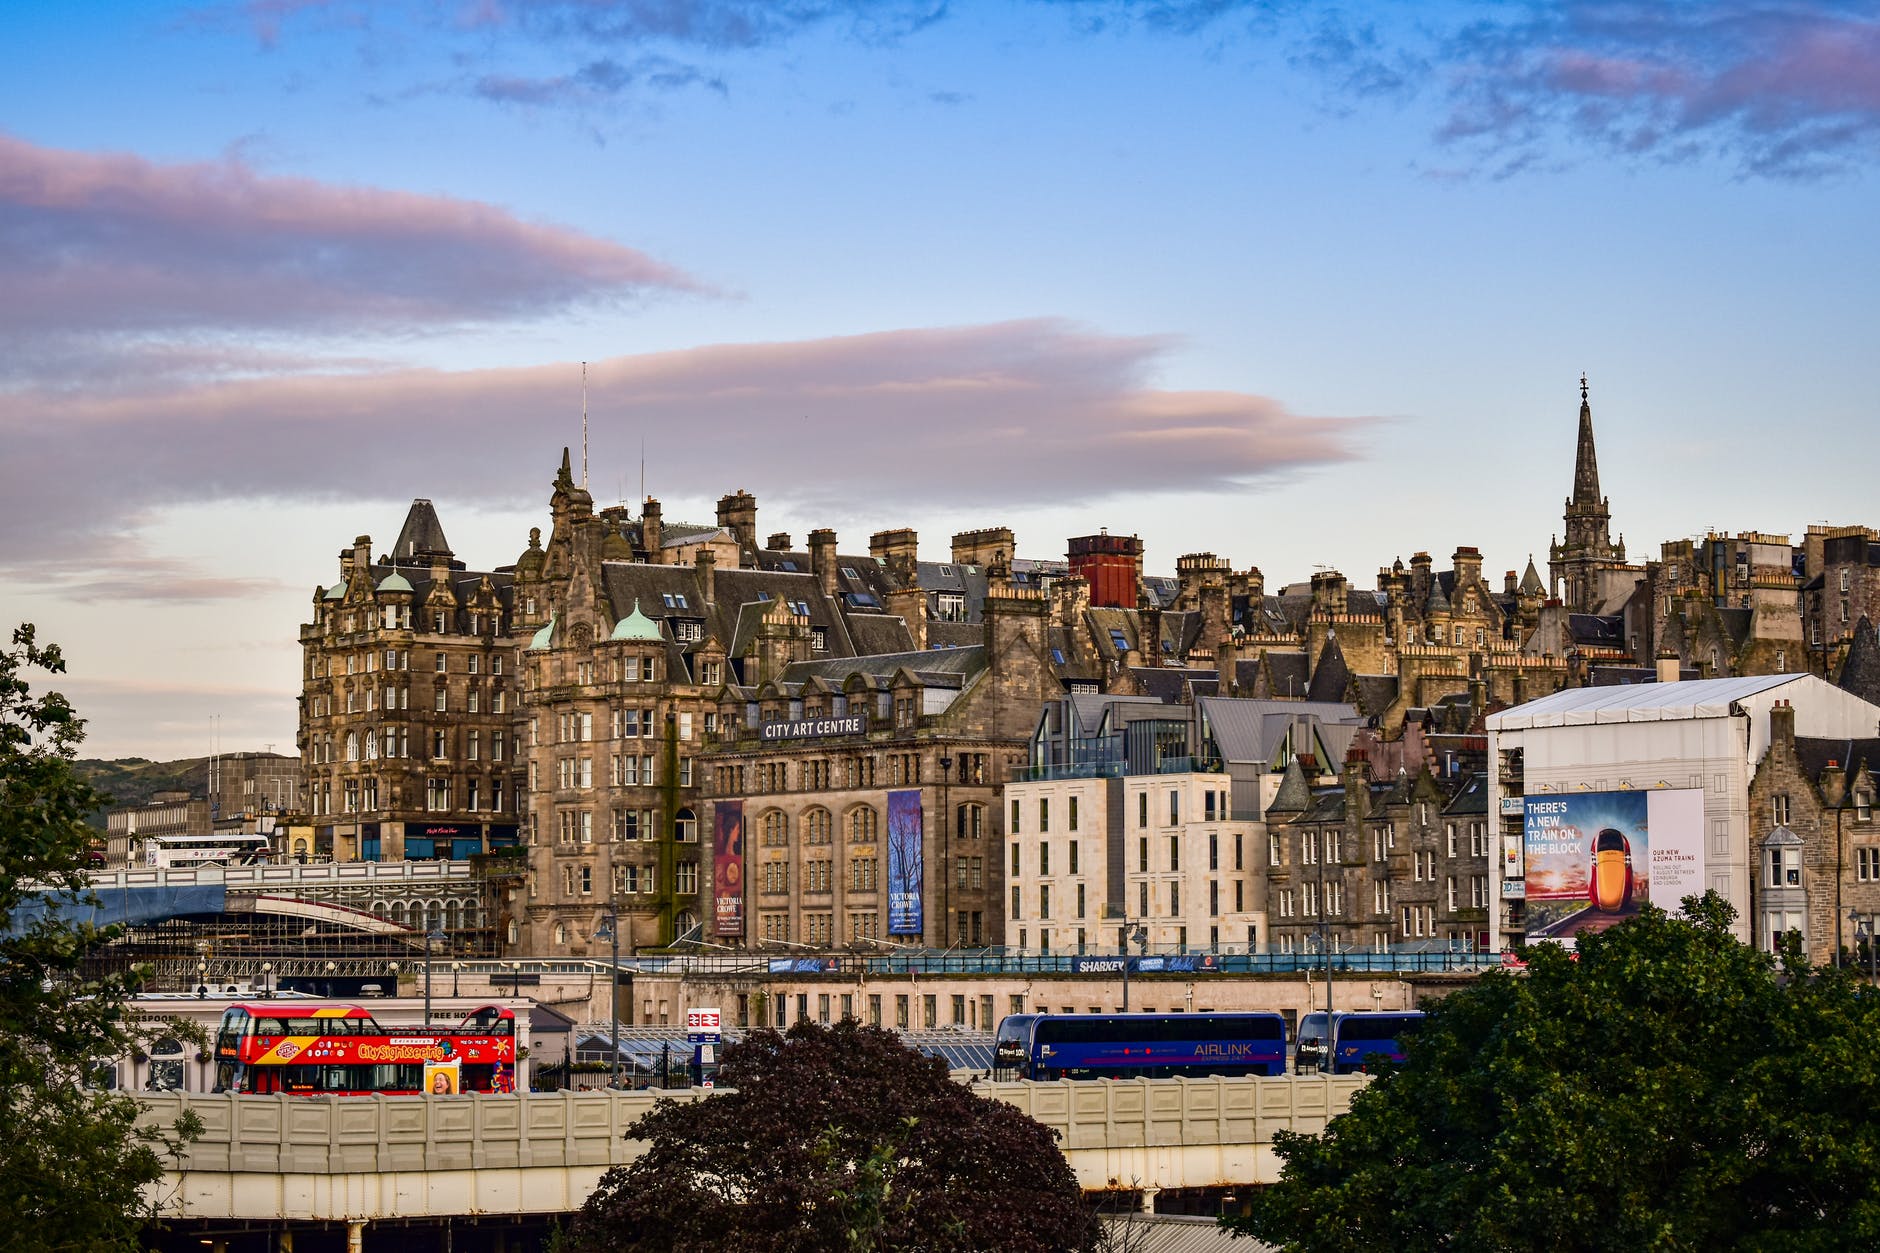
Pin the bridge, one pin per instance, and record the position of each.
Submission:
(359, 1160)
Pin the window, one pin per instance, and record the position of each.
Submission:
(1863, 806)
(1014, 830)
(1174, 852)
(1044, 858)
(1072, 816)
(1867, 865)
(1044, 814)
(1785, 866)
(1142, 809)
(1073, 856)
(1780, 809)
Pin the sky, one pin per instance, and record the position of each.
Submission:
(1304, 285)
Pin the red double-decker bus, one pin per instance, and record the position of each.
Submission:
(310, 1049)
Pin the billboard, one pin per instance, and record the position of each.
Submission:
(728, 868)
(906, 830)
(1594, 857)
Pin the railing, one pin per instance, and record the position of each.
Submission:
(1189, 765)
(288, 873)
(1068, 770)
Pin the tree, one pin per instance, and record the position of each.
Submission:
(838, 1138)
(73, 1165)
(1666, 1087)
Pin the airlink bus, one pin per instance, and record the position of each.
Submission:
(1139, 1046)
(313, 1049)
(1355, 1041)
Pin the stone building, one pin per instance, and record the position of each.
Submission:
(859, 795)
(1811, 801)
(1378, 864)
(408, 708)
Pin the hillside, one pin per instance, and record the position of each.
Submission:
(135, 780)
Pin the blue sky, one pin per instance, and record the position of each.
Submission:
(1304, 285)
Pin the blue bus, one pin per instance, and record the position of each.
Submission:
(1359, 1039)
(1139, 1046)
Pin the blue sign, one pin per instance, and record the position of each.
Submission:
(906, 832)
(805, 965)
(1178, 964)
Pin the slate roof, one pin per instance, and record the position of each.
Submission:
(421, 538)
(947, 667)
(882, 633)
(1171, 684)
(1470, 800)
(1291, 675)
(1295, 794)
(1331, 677)
(1251, 732)
(1860, 671)
(1850, 755)
(1736, 623)
(1597, 630)
(1376, 692)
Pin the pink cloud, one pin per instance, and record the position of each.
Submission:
(1038, 412)
(94, 243)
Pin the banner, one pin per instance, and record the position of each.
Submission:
(443, 1078)
(906, 833)
(728, 868)
(1593, 858)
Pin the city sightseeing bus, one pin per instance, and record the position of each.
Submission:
(1139, 1046)
(311, 1049)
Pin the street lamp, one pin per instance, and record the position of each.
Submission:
(946, 851)
(267, 980)
(456, 970)
(429, 937)
(515, 970)
(202, 980)
(330, 968)
(1866, 931)
(610, 928)
(1131, 931)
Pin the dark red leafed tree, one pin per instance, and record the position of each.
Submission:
(838, 1138)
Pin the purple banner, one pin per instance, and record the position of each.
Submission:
(728, 868)
(906, 830)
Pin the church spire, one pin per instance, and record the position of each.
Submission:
(1585, 461)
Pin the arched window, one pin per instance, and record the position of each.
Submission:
(685, 925)
(776, 828)
(561, 933)
(352, 746)
(685, 826)
(818, 827)
(863, 825)
(166, 1065)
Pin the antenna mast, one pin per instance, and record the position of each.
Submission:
(584, 427)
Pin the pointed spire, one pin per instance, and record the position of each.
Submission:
(1531, 584)
(1585, 462)
(564, 478)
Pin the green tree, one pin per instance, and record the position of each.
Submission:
(838, 1138)
(1666, 1088)
(73, 1165)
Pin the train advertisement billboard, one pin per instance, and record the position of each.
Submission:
(1593, 858)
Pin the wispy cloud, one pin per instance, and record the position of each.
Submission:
(114, 245)
(1777, 88)
(1040, 411)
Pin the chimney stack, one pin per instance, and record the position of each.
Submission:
(1669, 667)
(706, 566)
(822, 558)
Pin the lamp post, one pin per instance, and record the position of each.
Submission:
(267, 980)
(202, 980)
(394, 969)
(429, 936)
(1131, 931)
(456, 971)
(1866, 931)
(330, 968)
(610, 926)
(946, 851)
(515, 970)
